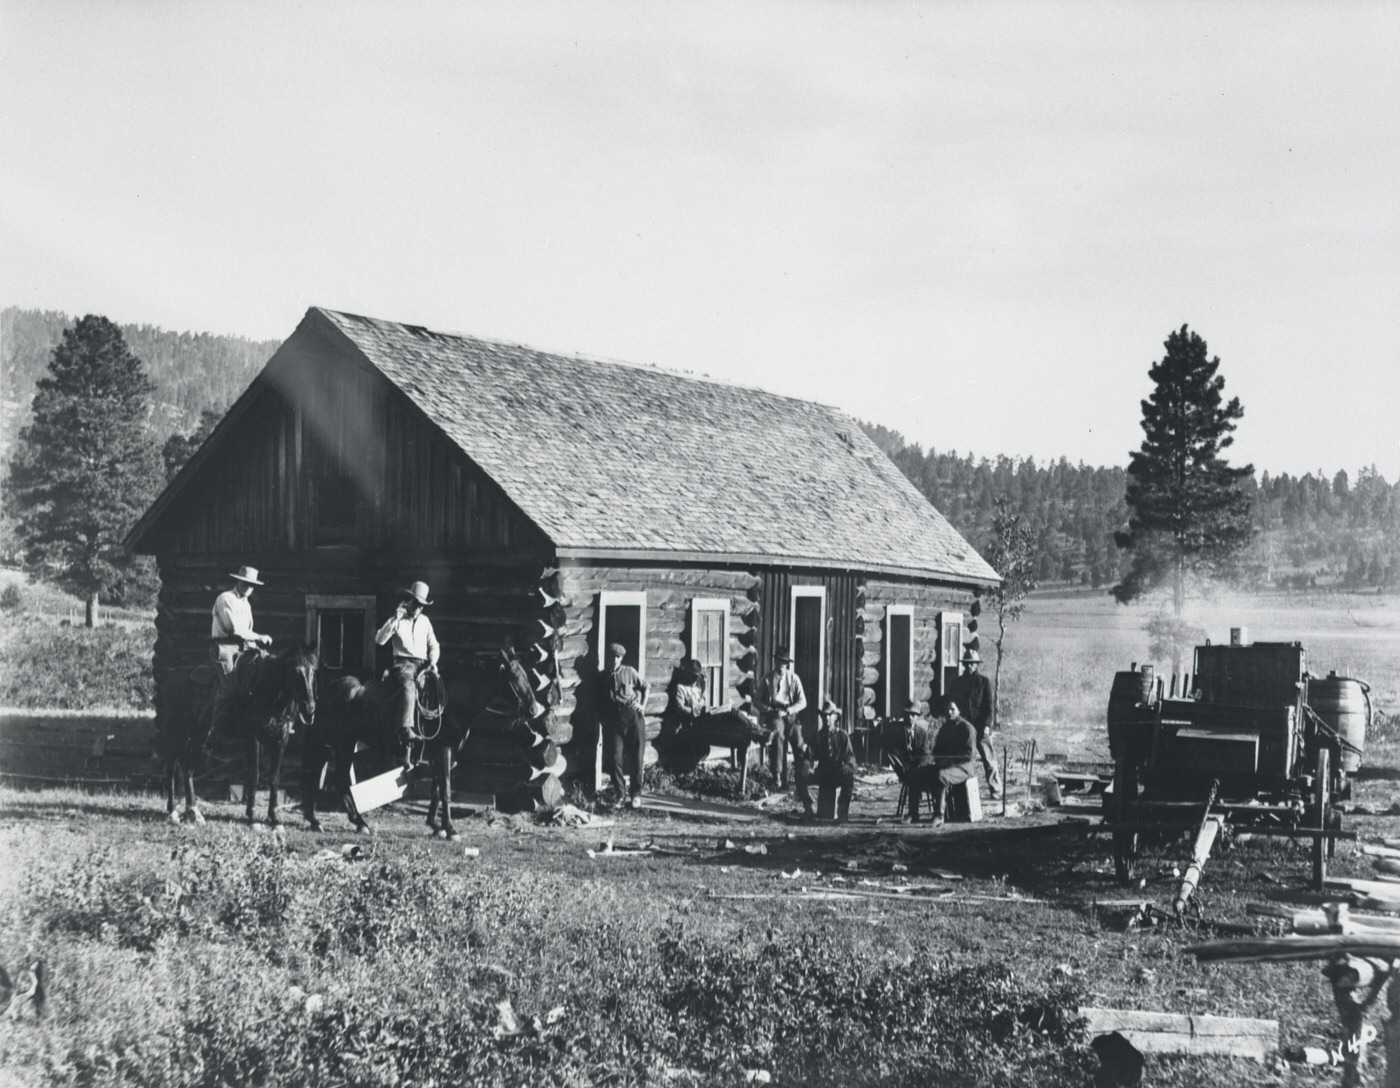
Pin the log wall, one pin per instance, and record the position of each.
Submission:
(928, 601)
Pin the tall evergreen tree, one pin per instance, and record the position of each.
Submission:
(87, 466)
(1189, 510)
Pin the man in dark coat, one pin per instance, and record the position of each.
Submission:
(836, 765)
(973, 693)
(917, 769)
(954, 757)
(622, 704)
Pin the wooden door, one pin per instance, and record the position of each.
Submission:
(899, 660)
(809, 646)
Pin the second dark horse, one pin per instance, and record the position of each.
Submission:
(355, 713)
(271, 694)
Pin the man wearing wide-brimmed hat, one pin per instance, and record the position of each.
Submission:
(782, 699)
(231, 631)
(409, 635)
(973, 692)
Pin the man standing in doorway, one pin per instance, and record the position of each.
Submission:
(409, 635)
(782, 700)
(973, 693)
(624, 700)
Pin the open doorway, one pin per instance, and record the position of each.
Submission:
(808, 626)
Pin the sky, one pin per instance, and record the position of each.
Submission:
(975, 224)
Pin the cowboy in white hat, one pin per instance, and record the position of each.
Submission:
(232, 631)
(409, 635)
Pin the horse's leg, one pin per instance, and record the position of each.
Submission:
(250, 776)
(274, 785)
(442, 774)
(313, 764)
(172, 768)
(433, 790)
(191, 801)
(343, 755)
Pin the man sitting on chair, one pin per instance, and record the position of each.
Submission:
(954, 758)
(836, 765)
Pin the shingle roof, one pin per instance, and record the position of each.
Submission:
(609, 457)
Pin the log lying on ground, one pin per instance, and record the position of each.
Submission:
(1319, 922)
(1171, 1033)
(1380, 945)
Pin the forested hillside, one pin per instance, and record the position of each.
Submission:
(1314, 530)
(191, 371)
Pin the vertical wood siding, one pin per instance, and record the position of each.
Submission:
(414, 488)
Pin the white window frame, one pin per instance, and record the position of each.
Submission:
(316, 603)
(607, 598)
(891, 611)
(949, 647)
(820, 593)
(713, 604)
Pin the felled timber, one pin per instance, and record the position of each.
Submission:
(1173, 1033)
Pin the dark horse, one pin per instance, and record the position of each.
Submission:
(270, 694)
(355, 713)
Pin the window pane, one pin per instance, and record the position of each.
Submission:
(711, 636)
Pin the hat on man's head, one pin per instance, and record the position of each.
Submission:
(971, 656)
(247, 574)
(911, 707)
(828, 707)
(782, 655)
(418, 592)
(617, 649)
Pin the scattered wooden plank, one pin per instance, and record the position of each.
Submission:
(1172, 1033)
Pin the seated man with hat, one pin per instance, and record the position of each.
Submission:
(836, 765)
(409, 635)
(677, 745)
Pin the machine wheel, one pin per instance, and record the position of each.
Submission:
(1124, 811)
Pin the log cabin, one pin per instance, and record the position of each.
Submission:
(566, 503)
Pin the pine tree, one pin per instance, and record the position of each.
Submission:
(179, 448)
(87, 466)
(1190, 511)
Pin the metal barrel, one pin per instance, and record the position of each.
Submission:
(1129, 707)
(1345, 705)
